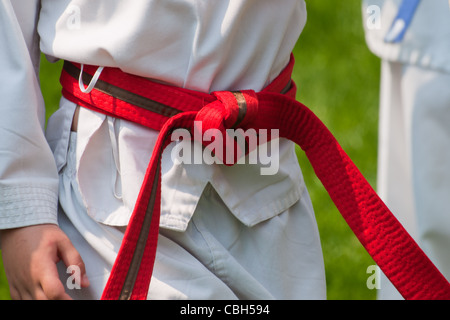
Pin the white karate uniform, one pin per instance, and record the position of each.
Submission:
(414, 125)
(226, 232)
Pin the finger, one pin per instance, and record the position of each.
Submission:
(22, 293)
(26, 296)
(52, 287)
(14, 293)
(70, 256)
(48, 284)
(40, 295)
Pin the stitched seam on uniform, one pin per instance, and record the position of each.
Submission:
(215, 267)
(171, 222)
(18, 197)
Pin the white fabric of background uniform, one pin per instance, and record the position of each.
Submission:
(414, 135)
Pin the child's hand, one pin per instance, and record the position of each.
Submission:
(30, 255)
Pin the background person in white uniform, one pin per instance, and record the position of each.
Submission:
(226, 232)
(414, 125)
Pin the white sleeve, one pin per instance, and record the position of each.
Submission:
(28, 174)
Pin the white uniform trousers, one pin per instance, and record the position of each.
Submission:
(414, 158)
(217, 257)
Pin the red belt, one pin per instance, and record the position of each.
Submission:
(166, 108)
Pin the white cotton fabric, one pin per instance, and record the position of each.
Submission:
(426, 42)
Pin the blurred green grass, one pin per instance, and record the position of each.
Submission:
(338, 79)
